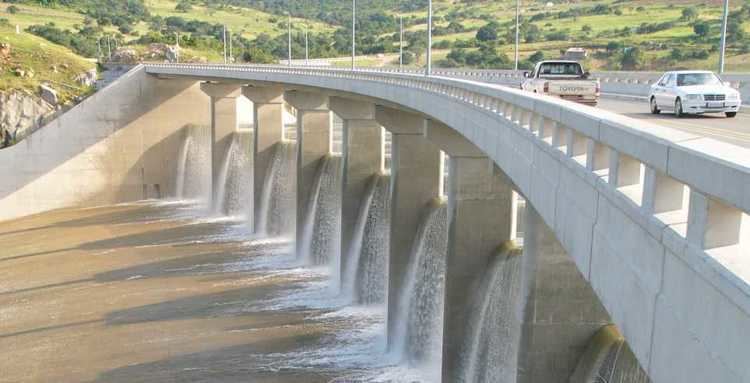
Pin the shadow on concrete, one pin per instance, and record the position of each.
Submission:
(50, 328)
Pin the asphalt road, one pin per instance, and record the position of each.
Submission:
(732, 130)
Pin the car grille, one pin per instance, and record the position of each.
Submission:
(714, 97)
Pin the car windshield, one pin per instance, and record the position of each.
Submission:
(560, 69)
(688, 79)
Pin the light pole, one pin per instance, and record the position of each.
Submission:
(289, 39)
(723, 49)
(307, 50)
(401, 43)
(518, 30)
(428, 71)
(354, 33)
(224, 35)
(231, 52)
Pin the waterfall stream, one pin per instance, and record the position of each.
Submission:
(194, 167)
(278, 202)
(235, 192)
(321, 235)
(365, 280)
(419, 335)
(608, 359)
(489, 351)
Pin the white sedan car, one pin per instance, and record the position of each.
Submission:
(693, 92)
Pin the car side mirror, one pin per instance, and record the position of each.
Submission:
(526, 74)
(586, 74)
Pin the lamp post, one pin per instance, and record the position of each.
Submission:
(307, 50)
(354, 33)
(224, 34)
(518, 31)
(289, 39)
(401, 43)
(428, 70)
(723, 48)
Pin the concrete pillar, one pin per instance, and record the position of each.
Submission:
(480, 210)
(268, 125)
(363, 158)
(223, 124)
(416, 172)
(314, 122)
(561, 311)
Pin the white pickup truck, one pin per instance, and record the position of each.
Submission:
(564, 79)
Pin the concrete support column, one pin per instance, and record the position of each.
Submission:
(480, 209)
(268, 126)
(363, 158)
(561, 312)
(314, 121)
(416, 171)
(223, 124)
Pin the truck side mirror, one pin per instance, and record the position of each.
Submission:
(526, 74)
(586, 74)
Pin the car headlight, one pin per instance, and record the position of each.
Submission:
(695, 97)
(734, 96)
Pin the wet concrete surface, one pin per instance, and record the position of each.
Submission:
(147, 293)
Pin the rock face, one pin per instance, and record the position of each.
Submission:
(87, 78)
(20, 114)
(49, 95)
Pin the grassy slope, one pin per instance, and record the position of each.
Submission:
(31, 52)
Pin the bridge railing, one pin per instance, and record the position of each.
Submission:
(696, 188)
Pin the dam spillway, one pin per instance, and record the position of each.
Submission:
(565, 265)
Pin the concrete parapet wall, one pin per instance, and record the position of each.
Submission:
(118, 145)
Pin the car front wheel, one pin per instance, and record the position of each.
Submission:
(678, 112)
(731, 114)
(654, 107)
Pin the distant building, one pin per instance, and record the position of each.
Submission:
(575, 54)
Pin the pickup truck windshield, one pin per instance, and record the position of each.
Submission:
(688, 79)
(560, 69)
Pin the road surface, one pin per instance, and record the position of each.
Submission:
(732, 130)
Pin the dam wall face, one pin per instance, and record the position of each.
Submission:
(119, 145)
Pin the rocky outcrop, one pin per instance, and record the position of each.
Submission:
(87, 78)
(49, 95)
(20, 114)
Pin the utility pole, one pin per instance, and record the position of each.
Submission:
(518, 30)
(723, 48)
(428, 71)
(307, 49)
(289, 39)
(354, 33)
(231, 53)
(224, 34)
(401, 43)
(99, 48)
(109, 49)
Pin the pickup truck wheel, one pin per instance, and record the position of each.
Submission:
(678, 112)
(731, 114)
(654, 107)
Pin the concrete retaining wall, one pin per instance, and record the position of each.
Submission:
(118, 145)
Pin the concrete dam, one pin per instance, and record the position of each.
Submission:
(228, 223)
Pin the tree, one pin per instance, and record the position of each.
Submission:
(632, 59)
(184, 6)
(701, 29)
(689, 13)
(487, 32)
(12, 10)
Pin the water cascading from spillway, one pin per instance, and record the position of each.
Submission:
(194, 166)
(608, 359)
(321, 231)
(235, 189)
(365, 279)
(489, 350)
(418, 338)
(278, 202)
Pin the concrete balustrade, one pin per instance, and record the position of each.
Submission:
(224, 123)
(416, 174)
(314, 122)
(363, 158)
(268, 125)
